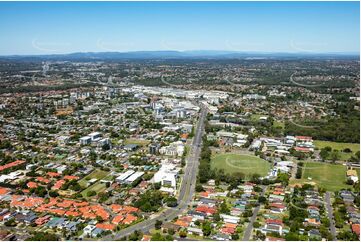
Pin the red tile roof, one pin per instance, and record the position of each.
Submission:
(306, 138)
(228, 230)
(71, 177)
(302, 149)
(274, 221)
(129, 219)
(53, 174)
(117, 219)
(105, 226)
(123, 209)
(58, 185)
(356, 229)
(277, 205)
(42, 179)
(4, 190)
(26, 202)
(32, 185)
(206, 209)
(11, 164)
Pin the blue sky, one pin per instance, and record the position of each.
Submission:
(65, 27)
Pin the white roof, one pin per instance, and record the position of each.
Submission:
(125, 175)
(135, 176)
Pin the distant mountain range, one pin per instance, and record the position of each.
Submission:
(197, 54)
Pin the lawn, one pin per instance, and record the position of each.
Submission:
(332, 177)
(339, 146)
(279, 124)
(246, 164)
(97, 174)
(255, 117)
(97, 187)
(140, 142)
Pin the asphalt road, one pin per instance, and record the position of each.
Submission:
(185, 193)
(248, 231)
(330, 214)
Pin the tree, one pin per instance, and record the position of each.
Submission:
(183, 233)
(91, 193)
(92, 156)
(136, 235)
(171, 231)
(262, 199)
(10, 223)
(224, 208)
(157, 185)
(158, 224)
(43, 236)
(324, 154)
(216, 217)
(335, 155)
(53, 193)
(199, 188)
(206, 228)
(235, 237)
(292, 236)
(169, 237)
(256, 225)
(172, 202)
(157, 237)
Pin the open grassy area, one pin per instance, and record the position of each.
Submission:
(97, 174)
(246, 164)
(332, 177)
(278, 124)
(339, 146)
(255, 117)
(140, 142)
(97, 187)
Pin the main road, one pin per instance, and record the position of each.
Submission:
(249, 229)
(185, 192)
(330, 215)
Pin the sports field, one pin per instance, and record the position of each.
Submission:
(340, 147)
(332, 177)
(246, 164)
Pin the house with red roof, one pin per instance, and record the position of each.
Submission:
(206, 210)
(356, 229)
(129, 219)
(32, 184)
(105, 226)
(58, 185)
(118, 219)
(228, 230)
(53, 174)
(11, 164)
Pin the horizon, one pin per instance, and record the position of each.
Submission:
(51, 28)
(210, 53)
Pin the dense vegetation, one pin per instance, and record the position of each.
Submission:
(342, 128)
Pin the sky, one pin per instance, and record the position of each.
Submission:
(66, 27)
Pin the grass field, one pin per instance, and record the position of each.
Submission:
(97, 174)
(97, 187)
(246, 164)
(140, 142)
(255, 117)
(339, 146)
(279, 124)
(332, 177)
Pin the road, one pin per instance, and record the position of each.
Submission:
(185, 193)
(330, 215)
(248, 231)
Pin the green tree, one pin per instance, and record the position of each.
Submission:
(158, 224)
